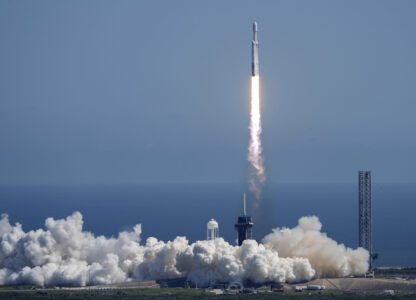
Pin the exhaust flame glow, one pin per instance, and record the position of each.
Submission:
(257, 176)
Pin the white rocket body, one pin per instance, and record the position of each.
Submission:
(255, 52)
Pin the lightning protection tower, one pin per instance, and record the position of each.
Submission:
(364, 212)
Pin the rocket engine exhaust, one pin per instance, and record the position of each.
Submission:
(257, 175)
(64, 254)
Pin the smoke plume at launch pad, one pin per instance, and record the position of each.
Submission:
(64, 254)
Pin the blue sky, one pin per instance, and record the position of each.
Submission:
(158, 91)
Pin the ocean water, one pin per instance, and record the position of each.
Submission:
(166, 211)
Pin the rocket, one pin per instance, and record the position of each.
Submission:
(255, 52)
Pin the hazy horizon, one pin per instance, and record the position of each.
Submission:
(163, 211)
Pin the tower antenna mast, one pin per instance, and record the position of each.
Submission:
(244, 204)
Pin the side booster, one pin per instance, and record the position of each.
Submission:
(255, 52)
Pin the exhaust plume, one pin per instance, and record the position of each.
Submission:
(257, 174)
(64, 254)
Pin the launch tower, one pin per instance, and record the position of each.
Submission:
(244, 225)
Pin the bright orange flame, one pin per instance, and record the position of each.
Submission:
(255, 149)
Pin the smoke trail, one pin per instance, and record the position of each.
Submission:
(64, 254)
(257, 174)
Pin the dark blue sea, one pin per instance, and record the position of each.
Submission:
(166, 211)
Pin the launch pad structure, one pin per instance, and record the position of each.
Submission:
(244, 225)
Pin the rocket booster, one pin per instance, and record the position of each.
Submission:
(255, 52)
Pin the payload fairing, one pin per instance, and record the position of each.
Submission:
(255, 52)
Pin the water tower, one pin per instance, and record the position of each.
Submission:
(212, 230)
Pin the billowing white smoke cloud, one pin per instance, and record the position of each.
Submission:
(64, 254)
(327, 258)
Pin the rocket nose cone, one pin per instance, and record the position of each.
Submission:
(254, 26)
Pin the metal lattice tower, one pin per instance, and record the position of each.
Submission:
(364, 212)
